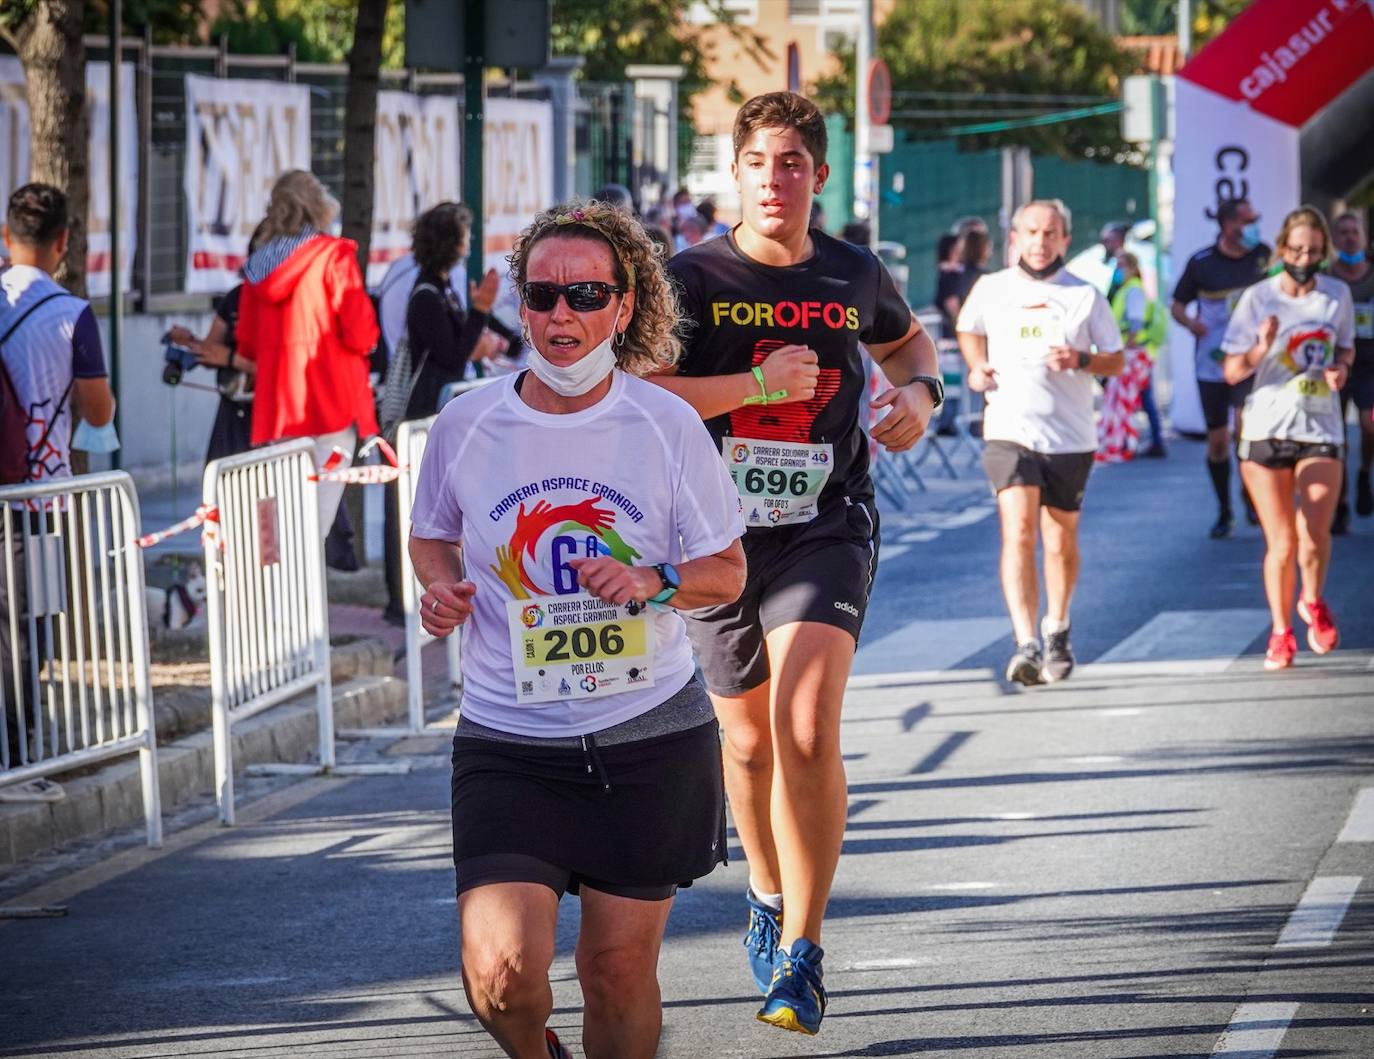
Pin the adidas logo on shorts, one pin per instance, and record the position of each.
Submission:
(848, 608)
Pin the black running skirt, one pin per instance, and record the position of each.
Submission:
(641, 814)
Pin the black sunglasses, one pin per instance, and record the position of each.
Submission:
(585, 297)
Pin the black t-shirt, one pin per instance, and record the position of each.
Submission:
(228, 311)
(743, 310)
(1215, 281)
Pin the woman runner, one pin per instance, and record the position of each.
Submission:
(564, 518)
(1295, 332)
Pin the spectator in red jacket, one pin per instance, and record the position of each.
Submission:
(306, 320)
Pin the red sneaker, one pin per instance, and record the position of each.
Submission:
(1282, 647)
(1322, 635)
(556, 1049)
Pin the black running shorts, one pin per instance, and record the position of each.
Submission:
(821, 571)
(1061, 477)
(1280, 454)
(1218, 398)
(1360, 389)
(630, 819)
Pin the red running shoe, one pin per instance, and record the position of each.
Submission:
(1322, 635)
(556, 1049)
(1282, 647)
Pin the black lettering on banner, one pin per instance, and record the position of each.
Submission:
(1226, 187)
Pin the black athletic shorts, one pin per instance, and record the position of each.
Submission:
(819, 571)
(1360, 389)
(1279, 453)
(1061, 477)
(633, 819)
(1218, 398)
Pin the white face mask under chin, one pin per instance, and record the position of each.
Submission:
(580, 376)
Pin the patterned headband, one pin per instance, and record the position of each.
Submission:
(593, 217)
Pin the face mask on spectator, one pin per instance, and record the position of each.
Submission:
(89, 438)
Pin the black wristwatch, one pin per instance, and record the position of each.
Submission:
(1084, 361)
(671, 583)
(935, 385)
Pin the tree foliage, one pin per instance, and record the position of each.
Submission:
(172, 21)
(612, 34)
(980, 49)
(1159, 17)
(321, 30)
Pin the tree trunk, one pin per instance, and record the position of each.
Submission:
(360, 119)
(54, 58)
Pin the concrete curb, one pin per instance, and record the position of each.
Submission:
(112, 798)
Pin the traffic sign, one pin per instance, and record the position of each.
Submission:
(879, 92)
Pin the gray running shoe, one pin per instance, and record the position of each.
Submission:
(1058, 657)
(1025, 665)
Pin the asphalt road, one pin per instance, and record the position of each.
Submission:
(1168, 856)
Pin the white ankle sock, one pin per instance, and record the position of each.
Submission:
(773, 901)
(1049, 626)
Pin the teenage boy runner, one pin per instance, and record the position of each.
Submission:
(773, 366)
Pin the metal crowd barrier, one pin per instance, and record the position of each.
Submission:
(74, 638)
(411, 438)
(267, 607)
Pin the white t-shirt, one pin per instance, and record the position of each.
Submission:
(635, 476)
(1022, 317)
(1290, 398)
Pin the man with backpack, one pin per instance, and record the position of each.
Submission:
(52, 366)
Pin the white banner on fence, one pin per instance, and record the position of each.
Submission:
(518, 178)
(416, 167)
(240, 136)
(15, 163)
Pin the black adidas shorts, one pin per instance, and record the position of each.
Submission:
(820, 571)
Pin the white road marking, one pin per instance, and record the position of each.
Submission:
(1256, 1031)
(1179, 635)
(1359, 825)
(894, 964)
(1120, 711)
(929, 645)
(1318, 916)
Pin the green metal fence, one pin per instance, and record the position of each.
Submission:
(927, 185)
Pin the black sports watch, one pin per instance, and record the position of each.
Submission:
(935, 385)
(1084, 361)
(671, 582)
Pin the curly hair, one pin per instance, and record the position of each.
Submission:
(439, 235)
(298, 200)
(1303, 217)
(651, 342)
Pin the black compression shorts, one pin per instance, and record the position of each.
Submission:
(1218, 398)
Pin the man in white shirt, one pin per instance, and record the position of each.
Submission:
(52, 354)
(1034, 337)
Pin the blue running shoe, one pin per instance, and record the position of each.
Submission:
(761, 940)
(796, 999)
